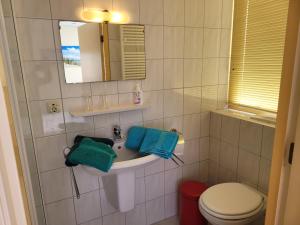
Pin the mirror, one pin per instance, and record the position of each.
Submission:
(94, 52)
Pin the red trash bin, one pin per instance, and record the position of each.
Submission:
(189, 212)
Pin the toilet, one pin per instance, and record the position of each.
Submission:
(232, 204)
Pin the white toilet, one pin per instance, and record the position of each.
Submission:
(232, 204)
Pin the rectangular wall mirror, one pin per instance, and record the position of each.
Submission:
(94, 52)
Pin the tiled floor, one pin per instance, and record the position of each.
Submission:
(170, 221)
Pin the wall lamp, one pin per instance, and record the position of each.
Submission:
(100, 16)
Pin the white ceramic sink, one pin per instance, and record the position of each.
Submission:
(126, 160)
(119, 182)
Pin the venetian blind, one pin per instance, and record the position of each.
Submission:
(258, 38)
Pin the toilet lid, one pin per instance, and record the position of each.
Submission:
(231, 200)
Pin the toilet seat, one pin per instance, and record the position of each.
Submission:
(231, 201)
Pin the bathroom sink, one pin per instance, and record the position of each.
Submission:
(119, 182)
(126, 160)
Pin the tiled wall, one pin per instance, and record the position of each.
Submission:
(187, 53)
(240, 151)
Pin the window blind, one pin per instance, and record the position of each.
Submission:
(258, 38)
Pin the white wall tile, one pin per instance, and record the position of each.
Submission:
(228, 156)
(173, 12)
(87, 207)
(41, 80)
(191, 151)
(191, 172)
(174, 122)
(56, 185)
(155, 167)
(173, 73)
(159, 124)
(137, 216)
(151, 12)
(230, 130)
(155, 210)
(173, 102)
(215, 125)
(45, 123)
(154, 186)
(66, 9)
(213, 13)
(213, 169)
(106, 207)
(98, 4)
(192, 72)
(191, 126)
(154, 42)
(106, 121)
(35, 39)
(209, 98)
(227, 13)
(172, 178)
(204, 149)
(224, 65)
(248, 167)
(114, 219)
(205, 122)
(192, 100)
(211, 46)
(155, 100)
(214, 150)
(94, 222)
(193, 42)
(127, 85)
(154, 75)
(203, 168)
(267, 142)
(264, 174)
(194, 13)
(86, 182)
(129, 9)
(140, 191)
(225, 43)
(251, 137)
(173, 42)
(104, 88)
(210, 71)
(225, 175)
(171, 205)
(222, 96)
(32, 8)
(50, 152)
(61, 212)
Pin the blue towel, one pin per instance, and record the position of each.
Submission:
(135, 137)
(91, 153)
(159, 142)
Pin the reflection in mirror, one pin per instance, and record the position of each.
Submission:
(81, 51)
(102, 52)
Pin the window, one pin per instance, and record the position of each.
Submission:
(259, 28)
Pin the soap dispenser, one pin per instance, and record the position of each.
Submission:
(138, 95)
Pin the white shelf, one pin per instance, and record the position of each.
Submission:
(110, 109)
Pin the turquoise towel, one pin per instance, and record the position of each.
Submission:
(159, 142)
(135, 137)
(94, 154)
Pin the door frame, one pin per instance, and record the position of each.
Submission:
(285, 119)
(12, 203)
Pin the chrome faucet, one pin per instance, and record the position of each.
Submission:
(117, 133)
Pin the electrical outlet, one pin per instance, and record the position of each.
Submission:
(53, 107)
